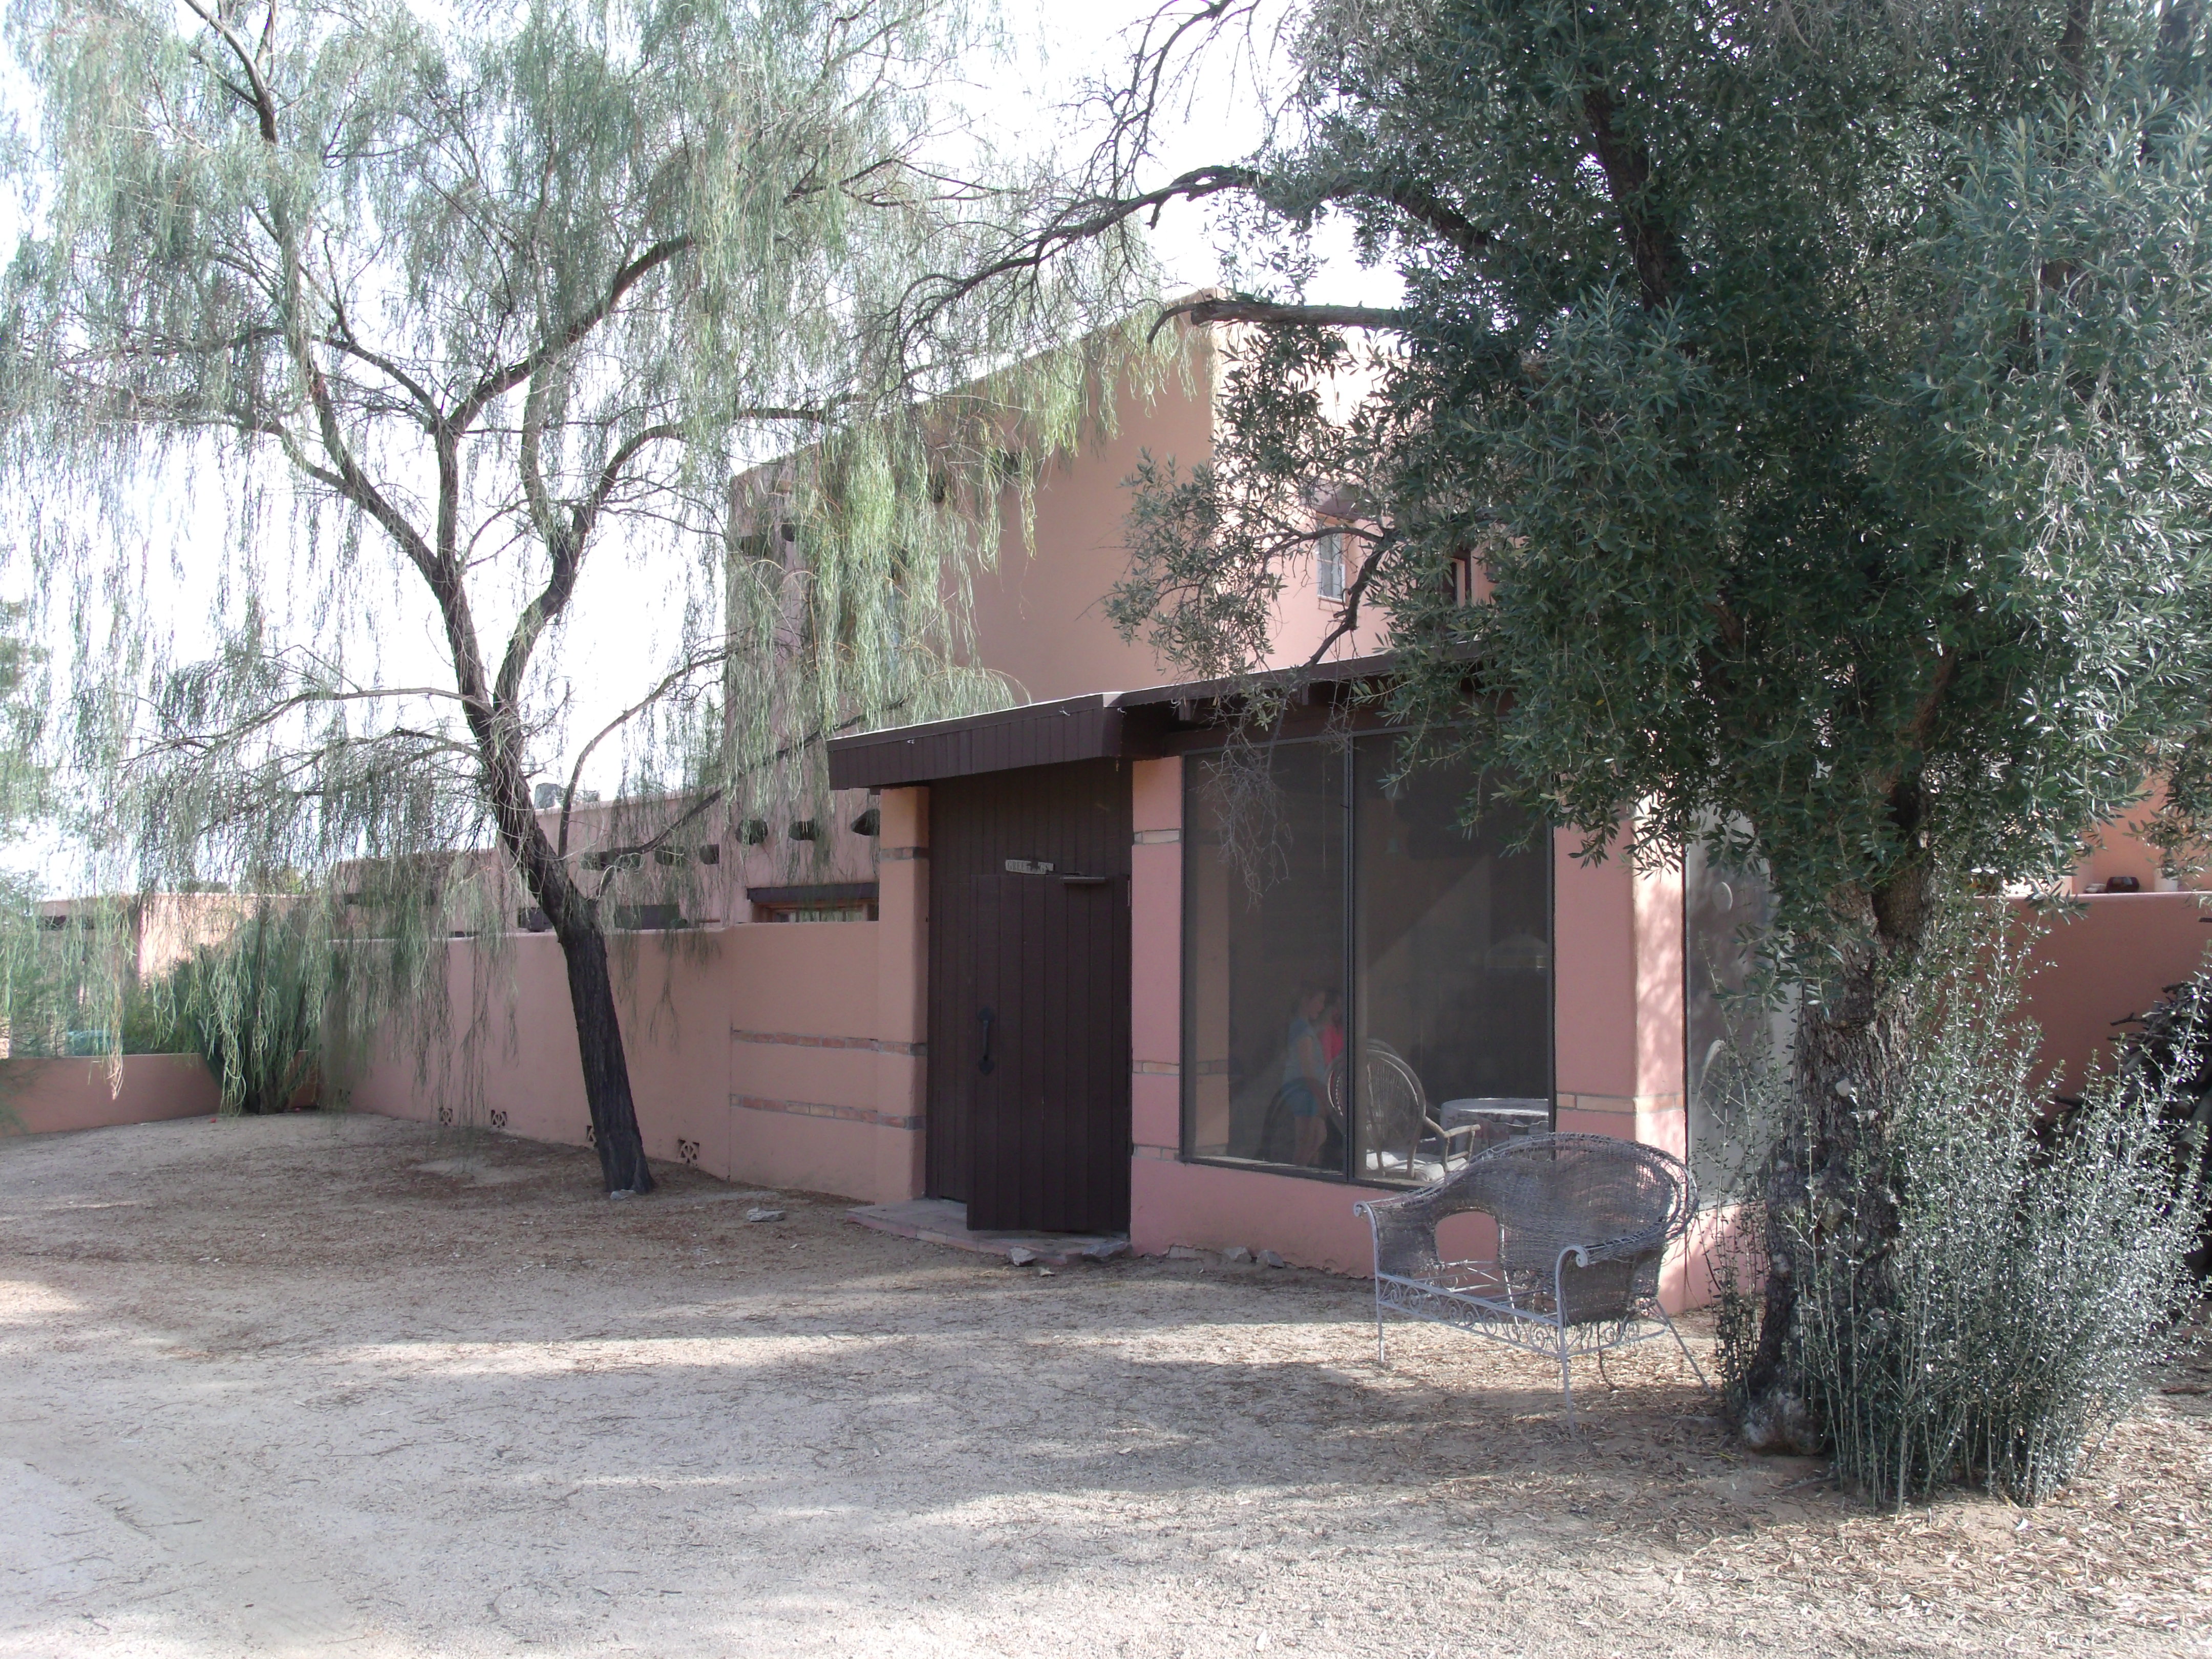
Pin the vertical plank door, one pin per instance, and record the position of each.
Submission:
(1047, 1056)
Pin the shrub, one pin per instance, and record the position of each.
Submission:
(254, 1005)
(2032, 1272)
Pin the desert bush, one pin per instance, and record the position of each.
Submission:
(2027, 1274)
(253, 1007)
(2173, 1045)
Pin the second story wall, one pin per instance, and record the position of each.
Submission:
(1039, 615)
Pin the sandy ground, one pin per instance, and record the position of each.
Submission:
(336, 1385)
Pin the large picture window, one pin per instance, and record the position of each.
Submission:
(1367, 980)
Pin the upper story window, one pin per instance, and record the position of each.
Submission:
(1328, 565)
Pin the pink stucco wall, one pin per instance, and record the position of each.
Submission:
(1039, 615)
(753, 1053)
(39, 1097)
(2110, 959)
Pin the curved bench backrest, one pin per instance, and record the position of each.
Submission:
(1550, 1193)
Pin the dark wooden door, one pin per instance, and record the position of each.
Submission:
(1048, 1126)
(1029, 924)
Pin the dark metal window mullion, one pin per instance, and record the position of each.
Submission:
(1354, 1037)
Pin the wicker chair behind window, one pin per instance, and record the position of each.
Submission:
(1397, 1122)
(1584, 1223)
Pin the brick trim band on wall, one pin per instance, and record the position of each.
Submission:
(811, 1109)
(1162, 1154)
(1158, 1069)
(902, 854)
(1158, 838)
(1620, 1105)
(803, 1040)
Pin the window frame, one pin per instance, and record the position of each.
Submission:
(1187, 1062)
(1329, 557)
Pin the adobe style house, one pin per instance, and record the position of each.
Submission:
(1071, 970)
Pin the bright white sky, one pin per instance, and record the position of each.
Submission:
(612, 636)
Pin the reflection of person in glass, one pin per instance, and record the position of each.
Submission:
(1305, 1069)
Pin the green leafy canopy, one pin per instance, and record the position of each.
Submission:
(1823, 391)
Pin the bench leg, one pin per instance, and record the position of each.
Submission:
(1566, 1380)
(1697, 1369)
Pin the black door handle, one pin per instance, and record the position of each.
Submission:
(985, 1064)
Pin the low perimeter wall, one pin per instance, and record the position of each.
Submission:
(758, 1053)
(38, 1096)
(753, 1053)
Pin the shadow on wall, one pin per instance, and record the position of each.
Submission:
(753, 1052)
(42, 1097)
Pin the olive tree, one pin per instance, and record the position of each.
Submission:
(412, 318)
(1821, 394)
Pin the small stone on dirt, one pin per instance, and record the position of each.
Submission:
(621, 1192)
(757, 1213)
(1020, 1257)
(1237, 1253)
(1181, 1253)
(1273, 1259)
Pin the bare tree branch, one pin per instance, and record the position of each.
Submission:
(501, 381)
(1269, 314)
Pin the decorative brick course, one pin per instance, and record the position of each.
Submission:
(806, 1040)
(812, 1109)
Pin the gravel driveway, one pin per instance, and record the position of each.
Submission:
(337, 1385)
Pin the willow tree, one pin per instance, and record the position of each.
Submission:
(422, 316)
(1820, 389)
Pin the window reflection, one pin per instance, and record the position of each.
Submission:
(1381, 1015)
(1736, 1030)
(1452, 979)
(1263, 979)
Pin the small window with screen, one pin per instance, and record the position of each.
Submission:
(1328, 565)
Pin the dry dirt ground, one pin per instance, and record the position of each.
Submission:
(318, 1384)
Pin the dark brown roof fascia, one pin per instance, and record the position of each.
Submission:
(1105, 726)
(1379, 666)
(1034, 734)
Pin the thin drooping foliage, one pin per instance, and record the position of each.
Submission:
(1819, 395)
(23, 776)
(426, 342)
(252, 1005)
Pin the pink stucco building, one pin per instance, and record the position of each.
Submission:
(1070, 972)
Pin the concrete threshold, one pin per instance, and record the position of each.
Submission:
(943, 1221)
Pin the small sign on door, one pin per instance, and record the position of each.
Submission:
(1028, 868)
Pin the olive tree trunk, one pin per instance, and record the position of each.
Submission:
(606, 1067)
(1822, 1196)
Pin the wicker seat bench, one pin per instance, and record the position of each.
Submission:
(1584, 1223)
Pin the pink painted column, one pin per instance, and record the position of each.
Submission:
(902, 991)
(1617, 990)
(1156, 963)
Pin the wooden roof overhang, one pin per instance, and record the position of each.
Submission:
(1147, 725)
